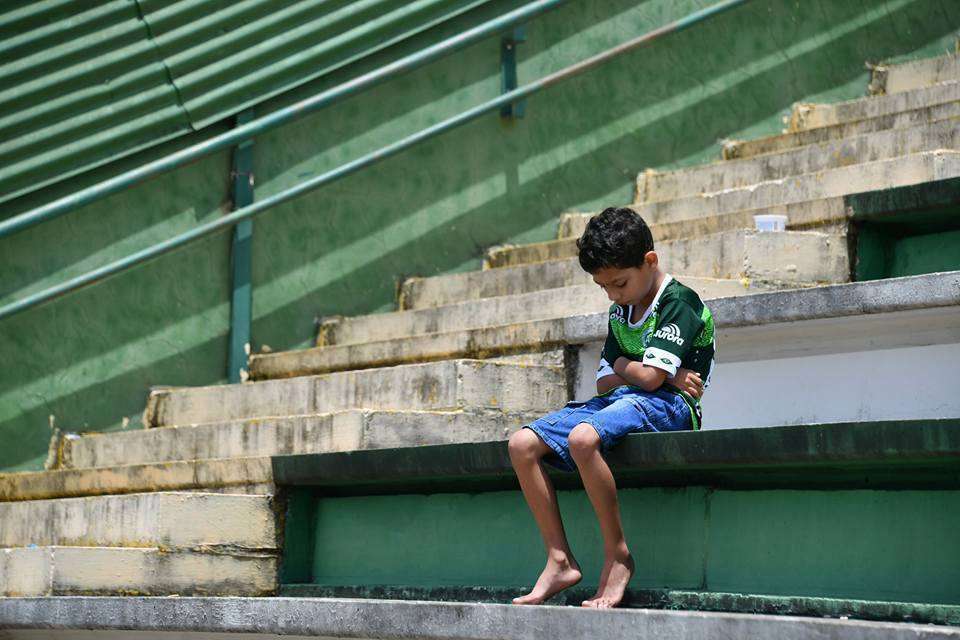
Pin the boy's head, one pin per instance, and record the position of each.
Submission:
(617, 250)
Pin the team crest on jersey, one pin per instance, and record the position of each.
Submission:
(670, 333)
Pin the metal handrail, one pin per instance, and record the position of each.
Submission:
(280, 117)
(360, 163)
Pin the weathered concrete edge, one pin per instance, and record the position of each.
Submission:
(353, 618)
(670, 599)
(927, 291)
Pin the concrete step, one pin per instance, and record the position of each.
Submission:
(340, 616)
(168, 521)
(341, 431)
(438, 291)
(806, 115)
(859, 178)
(469, 314)
(435, 386)
(734, 149)
(790, 257)
(71, 571)
(826, 214)
(653, 186)
(897, 78)
(551, 333)
(230, 475)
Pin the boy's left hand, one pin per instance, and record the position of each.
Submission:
(688, 381)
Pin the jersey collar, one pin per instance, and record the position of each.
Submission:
(653, 305)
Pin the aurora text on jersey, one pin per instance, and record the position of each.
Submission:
(675, 331)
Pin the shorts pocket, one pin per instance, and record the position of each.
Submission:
(559, 415)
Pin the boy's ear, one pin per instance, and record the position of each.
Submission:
(650, 257)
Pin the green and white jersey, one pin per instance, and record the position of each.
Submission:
(675, 331)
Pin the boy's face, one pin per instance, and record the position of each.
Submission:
(628, 286)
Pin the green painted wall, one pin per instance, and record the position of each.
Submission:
(88, 359)
(846, 544)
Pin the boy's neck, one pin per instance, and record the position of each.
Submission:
(647, 300)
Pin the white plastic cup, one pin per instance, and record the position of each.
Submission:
(770, 222)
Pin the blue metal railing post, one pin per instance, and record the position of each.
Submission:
(241, 264)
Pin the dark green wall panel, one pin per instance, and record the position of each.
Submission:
(872, 545)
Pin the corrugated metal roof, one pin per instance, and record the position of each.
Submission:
(80, 83)
(85, 82)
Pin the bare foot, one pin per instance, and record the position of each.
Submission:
(613, 582)
(556, 576)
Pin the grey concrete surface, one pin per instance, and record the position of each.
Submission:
(43, 571)
(857, 178)
(655, 186)
(733, 149)
(743, 314)
(341, 431)
(435, 386)
(350, 618)
(779, 259)
(907, 76)
(811, 115)
(164, 520)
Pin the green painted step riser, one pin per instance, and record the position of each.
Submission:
(837, 544)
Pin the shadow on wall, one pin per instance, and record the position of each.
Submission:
(89, 358)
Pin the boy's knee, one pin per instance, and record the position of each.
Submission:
(583, 440)
(523, 444)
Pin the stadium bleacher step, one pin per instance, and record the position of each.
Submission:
(438, 291)
(806, 115)
(906, 76)
(826, 214)
(435, 386)
(676, 614)
(341, 431)
(790, 257)
(488, 312)
(858, 178)
(655, 186)
(249, 476)
(72, 571)
(151, 543)
(738, 149)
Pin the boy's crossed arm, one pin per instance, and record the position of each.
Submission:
(648, 378)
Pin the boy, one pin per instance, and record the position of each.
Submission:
(656, 326)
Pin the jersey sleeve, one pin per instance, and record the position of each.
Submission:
(611, 351)
(677, 327)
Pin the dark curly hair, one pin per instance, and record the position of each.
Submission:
(616, 237)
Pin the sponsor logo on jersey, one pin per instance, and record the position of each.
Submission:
(618, 315)
(670, 333)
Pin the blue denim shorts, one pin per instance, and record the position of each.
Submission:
(624, 410)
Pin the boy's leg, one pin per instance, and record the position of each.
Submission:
(601, 488)
(561, 571)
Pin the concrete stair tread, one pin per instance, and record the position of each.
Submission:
(806, 116)
(737, 313)
(74, 571)
(858, 178)
(441, 385)
(795, 257)
(494, 311)
(914, 74)
(757, 147)
(654, 186)
(167, 520)
(339, 431)
(348, 617)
